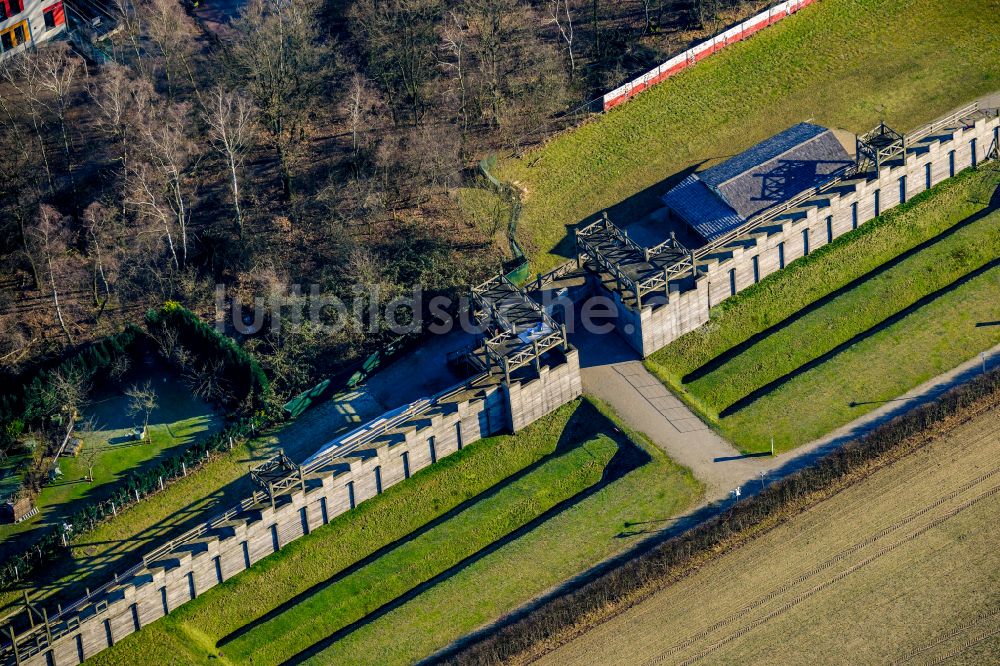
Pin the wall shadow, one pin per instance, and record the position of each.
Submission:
(733, 352)
(701, 515)
(626, 211)
(882, 325)
(585, 423)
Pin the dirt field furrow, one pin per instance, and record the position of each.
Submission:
(899, 566)
(842, 575)
(835, 559)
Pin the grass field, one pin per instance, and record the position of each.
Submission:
(841, 63)
(898, 568)
(179, 419)
(636, 487)
(851, 313)
(430, 554)
(841, 332)
(827, 269)
(925, 343)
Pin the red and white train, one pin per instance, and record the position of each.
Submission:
(706, 48)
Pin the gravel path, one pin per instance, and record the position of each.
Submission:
(613, 372)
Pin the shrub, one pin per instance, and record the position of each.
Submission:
(29, 400)
(132, 489)
(246, 383)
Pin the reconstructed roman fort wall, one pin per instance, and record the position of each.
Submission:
(230, 544)
(823, 219)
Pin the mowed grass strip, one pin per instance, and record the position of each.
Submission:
(850, 314)
(931, 340)
(444, 546)
(193, 630)
(638, 499)
(628, 508)
(840, 63)
(806, 280)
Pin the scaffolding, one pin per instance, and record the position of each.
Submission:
(38, 635)
(879, 145)
(517, 330)
(636, 272)
(277, 475)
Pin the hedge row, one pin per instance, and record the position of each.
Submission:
(132, 489)
(242, 373)
(240, 370)
(27, 401)
(561, 613)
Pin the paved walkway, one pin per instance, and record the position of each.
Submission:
(613, 372)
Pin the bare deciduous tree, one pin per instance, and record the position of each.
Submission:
(398, 40)
(49, 241)
(57, 69)
(120, 365)
(89, 459)
(231, 120)
(279, 56)
(161, 184)
(559, 14)
(22, 75)
(362, 101)
(169, 27)
(145, 196)
(131, 24)
(120, 100)
(454, 43)
(142, 400)
(66, 391)
(97, 220)
(208, 382)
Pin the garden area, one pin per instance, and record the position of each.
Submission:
(89, 436)
(113, 439)
(460, 544)
(855, 324)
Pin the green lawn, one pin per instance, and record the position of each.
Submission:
(768, 387)
(850, 314)
(841, 63)
(806, 280)
(417, 561)
(932, 340)
(179, 419)
(566, 453)
(215, 486)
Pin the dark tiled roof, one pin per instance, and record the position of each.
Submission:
(707, 213)
(723, 197)
(803, 166)
(764, 151)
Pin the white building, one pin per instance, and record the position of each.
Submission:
(25, 21)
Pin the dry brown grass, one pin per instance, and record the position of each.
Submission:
(901, 566)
